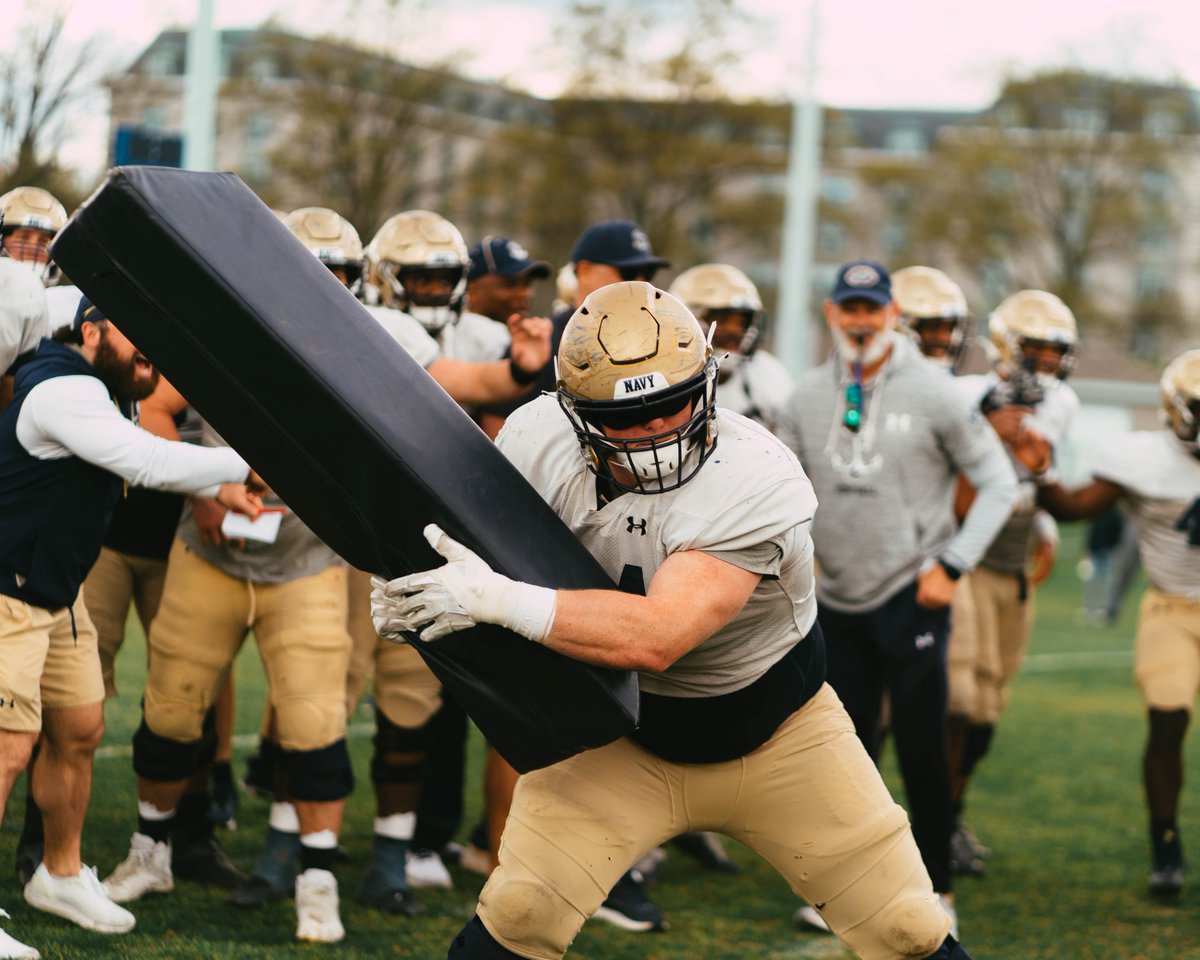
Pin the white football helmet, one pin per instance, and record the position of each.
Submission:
(1179, 390)
(332, 239)
(934, 310)
(414, 246)
(632, 354)
(717, 292)
(32, 208)
(1029, 322)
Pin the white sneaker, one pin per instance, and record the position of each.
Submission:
(425, 869)
(808, 917)
(147, 869)
(317, 919)
(948, 905)
(13, 949)
(82, 899)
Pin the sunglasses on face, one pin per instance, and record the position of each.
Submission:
(638, 273)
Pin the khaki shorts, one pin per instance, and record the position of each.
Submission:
(1166, 654)
(963, 652)
(809, 801)
(1002, 626)
(115, 581)
(405, 689)
(202, 621)
(44, 664)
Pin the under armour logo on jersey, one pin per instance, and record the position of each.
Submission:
(1189, 523)
(924, 641)
(636, 525)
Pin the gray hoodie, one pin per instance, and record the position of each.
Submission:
(886, 492)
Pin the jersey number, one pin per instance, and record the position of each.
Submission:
(1188, 522)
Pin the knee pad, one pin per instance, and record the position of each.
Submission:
(390, 740)
(161, 759)
(173, 718)
(979, 741)
(473, 942)
(916, 926)
(321, 775)
(950, 949)
(307, 723)
(524, 912)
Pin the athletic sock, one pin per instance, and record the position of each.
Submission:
(154, 823)
(277, 862)
(389, 851)
(191, 819)
(318, 851)
(1164, 840)
(222, 773)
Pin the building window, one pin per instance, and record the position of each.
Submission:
(837, 189)
(1160, 121)
(908, 141)
(255, 139)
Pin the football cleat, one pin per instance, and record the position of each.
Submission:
(317, 919)
(202, 860)
(147, 869)
(628, 907)
(1166, 881)
(426, 869)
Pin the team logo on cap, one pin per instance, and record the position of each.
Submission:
(639, 240)
(635, 386)
(861, 275)
(516, 251)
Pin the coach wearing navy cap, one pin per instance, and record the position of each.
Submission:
(500, 279)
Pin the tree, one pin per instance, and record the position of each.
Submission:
(643, 131)
(41, 85)
(1046, 188)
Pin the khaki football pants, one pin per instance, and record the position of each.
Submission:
(116, 580)
(202, 621)
(962, 655)
(1002, 626)
(809, 801)
(1166, 654)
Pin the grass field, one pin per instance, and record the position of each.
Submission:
(1058, 800)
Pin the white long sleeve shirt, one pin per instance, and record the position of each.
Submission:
(74, 416)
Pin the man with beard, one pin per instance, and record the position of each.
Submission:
(69, 445)
(883, 436)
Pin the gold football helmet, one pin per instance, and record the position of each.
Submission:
(631, 355)
(1035, 331)
(1179, 390)
(32, 208)
(332, 239)
(932, 308)
(411, 251)
(720, 294)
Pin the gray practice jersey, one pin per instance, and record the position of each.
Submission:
(1051, 419)
(750, 505)
(757, 387)
(408, 332)
(1160, 478)
(886, 490)
(475, 338)
(23, 312)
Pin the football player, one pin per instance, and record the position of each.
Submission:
(1156, 475)
(738, 731)
(1032, 337)
(753, 383)
(882, 436)
(32, 218)
(24, 320)
(933, 309)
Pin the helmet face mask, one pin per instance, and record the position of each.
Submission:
(1179, 390)
(721, 295)
(632, 356)
(1035, 332)
(410, 250)
(933, 309)
(30, 218)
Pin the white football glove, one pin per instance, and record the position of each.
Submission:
(464, 592)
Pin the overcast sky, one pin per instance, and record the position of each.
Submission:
(878, 53)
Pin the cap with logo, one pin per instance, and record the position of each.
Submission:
(862, 280)
(618, 243)
(87, 311)
(505, 258)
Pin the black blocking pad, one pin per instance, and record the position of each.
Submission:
(346, 427)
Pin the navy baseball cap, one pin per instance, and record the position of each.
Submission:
(618, 243)
(87, 311)
(505, 258)
(862, 280)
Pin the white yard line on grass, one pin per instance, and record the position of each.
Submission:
(1080, 660)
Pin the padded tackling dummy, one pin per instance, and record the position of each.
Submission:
(344, 425)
